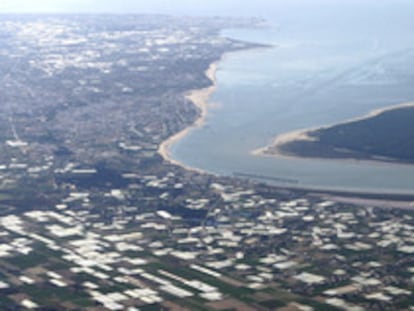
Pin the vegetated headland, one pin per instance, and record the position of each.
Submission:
(385, 135)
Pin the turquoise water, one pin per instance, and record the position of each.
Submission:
(323, 69)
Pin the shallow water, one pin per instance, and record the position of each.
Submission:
(324, 68)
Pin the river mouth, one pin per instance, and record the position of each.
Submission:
(312, 77)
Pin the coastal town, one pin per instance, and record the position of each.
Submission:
(95, 216)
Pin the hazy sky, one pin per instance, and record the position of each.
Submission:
(139, 6)
(182, 7)
(136, 6)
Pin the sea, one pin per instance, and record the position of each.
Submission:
(325, 65)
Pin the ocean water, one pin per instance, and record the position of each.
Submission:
(325, 66)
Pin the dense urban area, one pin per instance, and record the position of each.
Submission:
(93, 218)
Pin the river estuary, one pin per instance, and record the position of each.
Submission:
(321, 70)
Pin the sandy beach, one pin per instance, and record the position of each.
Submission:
(274, 150)
(198, 97)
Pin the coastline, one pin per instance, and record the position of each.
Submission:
(274, 150)
(199, 97)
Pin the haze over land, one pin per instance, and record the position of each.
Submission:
(256, 8)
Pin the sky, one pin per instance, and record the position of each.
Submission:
(323, 12)
(178, 7)
(202, 7)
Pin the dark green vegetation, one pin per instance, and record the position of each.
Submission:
(388, 136)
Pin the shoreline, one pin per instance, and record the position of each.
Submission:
(274, 150)
(200, 98)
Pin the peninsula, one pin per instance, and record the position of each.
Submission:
(385, 135)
